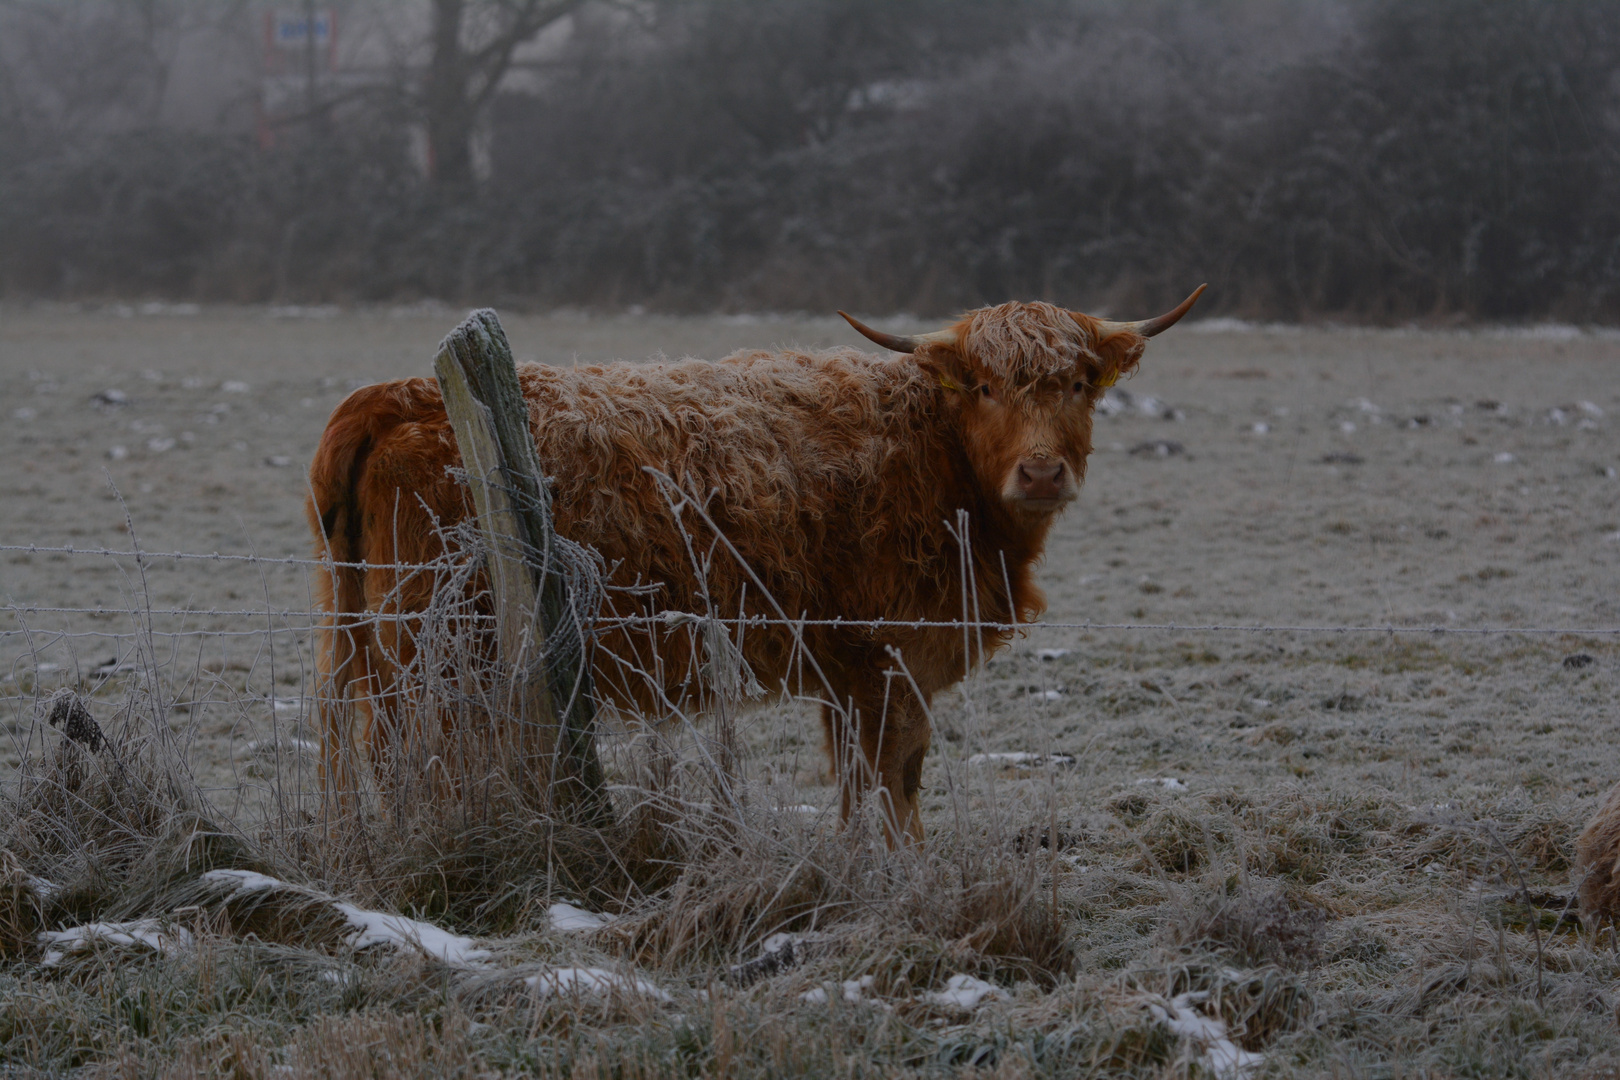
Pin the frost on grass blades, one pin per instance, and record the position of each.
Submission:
(1218, 853)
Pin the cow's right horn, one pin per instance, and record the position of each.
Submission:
(898, 342)
(1149, 327)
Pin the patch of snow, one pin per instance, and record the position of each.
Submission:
(234, 386)
(1052, 654)
(854, 988)
(1169, 783)
(1261, 428)
(1024, 758)
(1225, 1058)
(851, 990)
(1047, 695)
(381, 928)
(25, 413)
(42, 888)
(304, 311)
(1116, 401)
(1223, 324)
(580, 981)
(569, 919)
(145, 932)
(1504, 458)
(1260, 703)
(158, 307)
(803, 808)
(110, 397)
(1347, 426)
(370, 927)
(966, 993)
(160, 444)
(278, 461)
(777, 942)
(1590, 409)
(246, 882)
(1539, 332)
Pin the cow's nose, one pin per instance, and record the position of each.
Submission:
(1040, 478)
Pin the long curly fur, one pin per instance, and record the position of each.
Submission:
(837, 477)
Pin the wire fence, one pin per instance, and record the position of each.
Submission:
(247, 674)
(304, 618)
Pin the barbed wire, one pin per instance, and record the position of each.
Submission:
(673, 619)
(306, 620)
(283, 560)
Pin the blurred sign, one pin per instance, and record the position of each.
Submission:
(293, 29)
(299, 62)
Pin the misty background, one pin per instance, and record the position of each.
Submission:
(1376, 161)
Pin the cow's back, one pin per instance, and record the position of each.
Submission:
(822, 471)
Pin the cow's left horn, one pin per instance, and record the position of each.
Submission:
(898, 342)
(1149, 327)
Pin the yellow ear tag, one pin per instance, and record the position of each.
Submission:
(1110, 381)
(947, 384)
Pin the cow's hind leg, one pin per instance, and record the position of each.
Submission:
(342, 679)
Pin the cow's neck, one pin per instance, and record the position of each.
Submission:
(1005, 548)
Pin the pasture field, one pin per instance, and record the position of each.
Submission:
(1337, 846)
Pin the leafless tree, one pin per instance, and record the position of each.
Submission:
(472, 44)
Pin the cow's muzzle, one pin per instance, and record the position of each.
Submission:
(1041, 483)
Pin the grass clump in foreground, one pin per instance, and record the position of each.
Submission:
(1048, 928)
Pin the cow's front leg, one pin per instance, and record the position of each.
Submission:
(880, 746)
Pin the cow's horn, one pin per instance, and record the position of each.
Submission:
(1149, 327)
(897, 342)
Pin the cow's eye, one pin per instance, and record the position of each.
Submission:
(984, 390)
(1080, 387)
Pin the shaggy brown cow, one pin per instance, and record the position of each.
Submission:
(836, 476)
(1597, 864)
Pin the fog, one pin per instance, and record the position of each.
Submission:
(1368, 161)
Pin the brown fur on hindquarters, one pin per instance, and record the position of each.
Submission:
(836, 478)
(1597, 863)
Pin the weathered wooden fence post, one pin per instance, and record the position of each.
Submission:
(533, 615)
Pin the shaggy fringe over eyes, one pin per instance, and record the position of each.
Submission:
(1022, 343)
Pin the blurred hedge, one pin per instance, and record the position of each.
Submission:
(1389, 160)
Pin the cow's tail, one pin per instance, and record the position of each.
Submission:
(337, 515)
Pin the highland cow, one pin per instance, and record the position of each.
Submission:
(836, 480)
(1597, 864)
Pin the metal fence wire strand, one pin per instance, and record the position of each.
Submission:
(585, 580)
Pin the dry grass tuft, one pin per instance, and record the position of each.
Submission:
(21, 907)
(1177, 840)
(1340, 927)
(1254, 928)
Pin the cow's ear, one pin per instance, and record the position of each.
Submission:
(945, 366)
(1118, 354)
